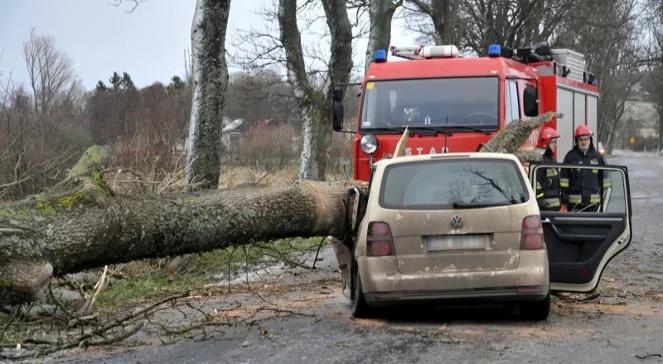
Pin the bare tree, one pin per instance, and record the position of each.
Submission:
(444, 16)
(210, 79)
(607, 33)
(311, 69)
(259, 96)
(133, 4)
(313, 100)
(50, 72)
(40, 124)
(511, 23)
(653, 80)
(380, 13)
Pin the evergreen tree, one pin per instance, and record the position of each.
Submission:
(100, 86)
(176, 83)
(126, 82)
(115, 81)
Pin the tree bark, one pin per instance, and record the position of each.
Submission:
(304, 92)
(445, 16)
(509, 139)
(210, 79)
(380, 14)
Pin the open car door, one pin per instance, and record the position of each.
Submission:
(581, 241)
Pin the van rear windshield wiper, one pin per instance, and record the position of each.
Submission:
(515, 200)
(461, 205)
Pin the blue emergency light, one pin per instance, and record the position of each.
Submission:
(494, 50)
(380, 55)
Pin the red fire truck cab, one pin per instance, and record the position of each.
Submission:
(454, 104)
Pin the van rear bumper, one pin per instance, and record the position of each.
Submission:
(504, 294)
(529, 281)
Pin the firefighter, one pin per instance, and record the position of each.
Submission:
(582, 188)
(548, 193)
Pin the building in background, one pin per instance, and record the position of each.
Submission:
(638, 126)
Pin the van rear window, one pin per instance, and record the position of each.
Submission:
(452, 183)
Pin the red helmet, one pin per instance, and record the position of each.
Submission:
(582, 130)
(545, 136)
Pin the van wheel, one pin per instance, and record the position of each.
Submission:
(535, 310)
(359, 307)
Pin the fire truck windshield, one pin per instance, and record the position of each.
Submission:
(459, 104)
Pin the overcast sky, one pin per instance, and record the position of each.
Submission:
(149, 43)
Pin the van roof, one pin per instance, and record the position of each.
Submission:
(440, 156)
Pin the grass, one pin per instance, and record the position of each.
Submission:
(148, 279)
(140, 289)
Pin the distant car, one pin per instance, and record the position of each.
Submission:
(450, 226)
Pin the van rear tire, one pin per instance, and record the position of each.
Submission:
(535, 310)
(359, 307)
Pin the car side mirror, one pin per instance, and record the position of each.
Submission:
(337, 108)
(531, 101)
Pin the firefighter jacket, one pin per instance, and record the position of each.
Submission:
(583, 187)
(548, 191)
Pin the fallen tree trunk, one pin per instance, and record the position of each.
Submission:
(80, 223)
(509, 139)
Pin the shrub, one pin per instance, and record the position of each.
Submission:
(265, 148)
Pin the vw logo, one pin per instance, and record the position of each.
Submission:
(456, 222)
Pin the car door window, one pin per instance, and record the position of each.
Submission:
(593, 226)
(614, 195)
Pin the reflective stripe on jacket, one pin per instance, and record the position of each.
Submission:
(548, 191)
(583, 186)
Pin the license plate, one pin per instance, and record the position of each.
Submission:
(457, 242)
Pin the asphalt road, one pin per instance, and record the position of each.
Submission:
(624, 324)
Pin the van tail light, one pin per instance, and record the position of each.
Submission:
(531, 233)
(379, 241)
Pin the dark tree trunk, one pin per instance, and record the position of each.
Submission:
(306, 95)
(380, 14)
(314, 103)
(445, 17)
(446, 20)
(210, 79)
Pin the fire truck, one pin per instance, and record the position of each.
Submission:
(451, 103)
